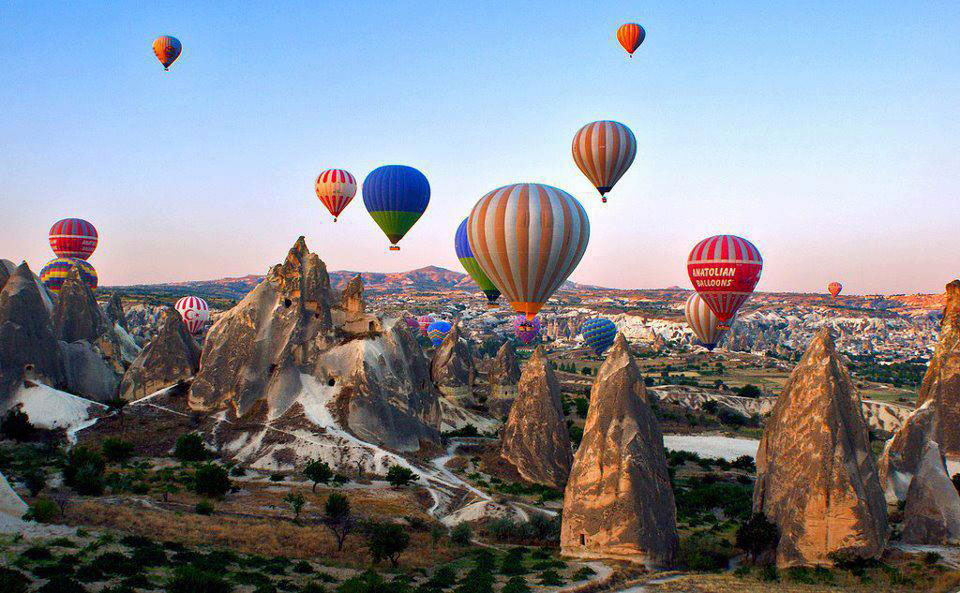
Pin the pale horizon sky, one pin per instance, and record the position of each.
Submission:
(826, 133)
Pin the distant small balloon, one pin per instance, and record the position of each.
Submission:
(630, 36)
(599, 334)
(437, 331)
(604, 150)
(194, 311)
(167, 49)
(834, 289)
(55, 273)
(526, 330)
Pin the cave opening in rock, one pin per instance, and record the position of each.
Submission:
(287, 302)
(331, 382)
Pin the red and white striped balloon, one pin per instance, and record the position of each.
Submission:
(724, 270)
(73, 237)
(604, 150)
(528, 238)
(336, 188)
(194, 311)
(704, 323)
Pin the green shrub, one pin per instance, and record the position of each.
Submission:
(810, 576)
(550, 578)
(62, 584)
(211, 479)
(204, 507)
(461, 534)
(16, 425)
(584, 573)
(43, 510)
(37, 553)
(313, 587)
(277, 477)
(516, 585)
(237, 471)
(190, 447)
(84, 471)
(116, 450)
(387, 541)
(189, 579)
(318, 472)
(399, 475)
(114, 563)
(705, 552)
(757, 535)
(13, 581)
(303, 567)
(442, 578)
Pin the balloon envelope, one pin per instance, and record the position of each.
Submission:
(73, 238)
(630, 36)
(526, 330)
(56, 271)
(396, 196)
(167, 49)
(437, 331)
(834, 288)
(724, 270)
(704, 322)
(194, 311)
(604, 150)
(335, 188)
(598, 334)
(424, 322)
(461, 244)
(528, 238)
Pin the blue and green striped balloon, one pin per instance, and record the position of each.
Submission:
(396, 196)
(598, 334)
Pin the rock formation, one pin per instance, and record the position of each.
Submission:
(451, 369)
(284, 357)
(170, 357)
(902, 454)
(7, 269)
(932, 512)
(618, 502)
(817, 479)
(535, 439)
(351, 299)
(77, 315)
(942, 381)
(27, 340)
(502, 376)
(115, 311)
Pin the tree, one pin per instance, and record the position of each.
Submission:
(61, 497)
(84, 471)
(35, 480)
(749, 390)
(116, 450)
(318, 472)
(190, 447)
(167, 489)
(437, 532)
(757, 535)
(211, 479)
(116, 406)
(399, 475)
(296, 502)
(388, 541)
(16, 425)
(461, 534)
(338, 517)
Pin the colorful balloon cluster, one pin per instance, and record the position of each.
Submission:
(73, 240)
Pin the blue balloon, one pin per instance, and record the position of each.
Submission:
(396, 196)
(598, 334)
(437, 331)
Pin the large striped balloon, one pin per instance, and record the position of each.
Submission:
(526, 330)
(396, 196)
(724, 270)
(630, 36)
(598, 334)
(461, 244)
(55, 273)
(73, 237)
(167, 49)
(437, 331)
(528, 238)
(704, 323)
(336, 188)
(424, 321)
(194, 311)
(604, 150)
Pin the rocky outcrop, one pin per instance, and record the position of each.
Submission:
(817, 479)
(285, 358)
(502, 376)
(27, 341)
(535, 439)
(451, 369)
(351, 299)
(7, 269)
(170, 357)
(901, 456)
(78, 316)
(932, 511)
(942, 381)
(115, 311)
(618, 502)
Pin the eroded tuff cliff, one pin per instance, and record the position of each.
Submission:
(618, 502)
(170, 357)
(299, 377)
(901, 456)
(942, 381)
(817, 479)
(452, 369)
(503, 375)
(931, 514)
(535, 439)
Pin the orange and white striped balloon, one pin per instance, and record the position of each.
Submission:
(703, 321)
(336, 188)
(604, 150)
(528, 238)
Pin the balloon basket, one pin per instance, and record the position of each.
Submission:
(394, 248)
(493, 306)
(334, 219)
(603, 199)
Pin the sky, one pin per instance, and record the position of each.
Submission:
(827, 133)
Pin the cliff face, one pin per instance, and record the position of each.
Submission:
(170, 357)
(502, 377)
(535, 439)
(901, 456)
(932, 510)
(452, 369)
(817, 479)
(941, 384)
(285, 358)
(618, 502)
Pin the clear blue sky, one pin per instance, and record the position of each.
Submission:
(828, 133)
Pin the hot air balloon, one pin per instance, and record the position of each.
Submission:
(396, 197)
(724, 270)
(630, 36)
(526, 330)
(461, 244)
(598, 334)
(424, 321)
(56, 271)
(194, 311)
(704, 323)
(412, 323)
(335, 188)
(834, 289)
(528, 238)
(73, 238)
(604, 150)
(167, 49)
(437, 331)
